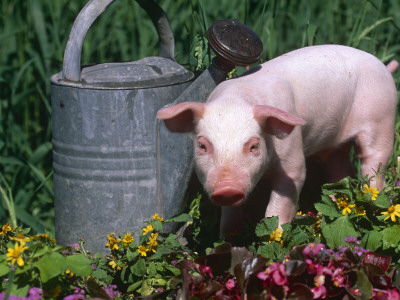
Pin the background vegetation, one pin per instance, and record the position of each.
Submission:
(33, 34)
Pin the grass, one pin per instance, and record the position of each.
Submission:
(33, 34)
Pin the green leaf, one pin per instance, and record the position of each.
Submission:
(363, 285)
(152, 270)
(139, 268)
(335, 232)
(157, 225)
(382, 201)
(183, 218)
(40, 251)
(266, 226)
(267, 251)
(161, 251)
(80, 265)
(9, 160)
(391, 237)
(296, 237)
(146, 289)
(134, 286)
(343, 186)
(372, 240)
(4, 268)
(327, 210)
(51, 265)
(99, 274)
(19, 290)
(173, 270)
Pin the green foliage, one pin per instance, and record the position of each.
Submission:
(33, 35)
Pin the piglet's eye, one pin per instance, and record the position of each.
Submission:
(203, 146)
(252, 146)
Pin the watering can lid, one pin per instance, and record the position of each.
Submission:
(148, 72)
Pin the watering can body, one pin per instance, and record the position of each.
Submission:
(107, 163)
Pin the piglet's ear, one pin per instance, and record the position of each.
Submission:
(275, 121)
(181, 117)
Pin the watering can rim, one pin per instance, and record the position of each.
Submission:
(150, 76)
(71, 74)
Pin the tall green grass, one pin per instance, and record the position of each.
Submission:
(33, 34)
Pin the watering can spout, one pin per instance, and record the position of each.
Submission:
(234, 44)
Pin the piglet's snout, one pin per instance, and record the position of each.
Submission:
(228, 193)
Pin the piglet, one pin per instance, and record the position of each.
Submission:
(261, 126)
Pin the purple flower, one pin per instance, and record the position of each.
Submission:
(112, 291)
(11, 297)
(397, 182)
(74, 297)
(350, 239)
(74, 246)
(35, 293)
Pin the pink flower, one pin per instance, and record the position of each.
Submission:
(206, 270)
(356, 292)
(312, 249)
(278, 273)
(313, 268)
(386, 294)
(337, 277)
(230, 284)
(319, 292)
(263, 276)
(275, 273)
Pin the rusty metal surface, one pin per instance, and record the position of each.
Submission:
(235, 43)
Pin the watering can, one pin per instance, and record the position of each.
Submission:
(114, 163)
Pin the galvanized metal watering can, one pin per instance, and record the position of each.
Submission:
(114, 164)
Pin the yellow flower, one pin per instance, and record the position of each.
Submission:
(128, 238)
(392, 212)
(157, 217)
(15, 254)
(373, 191)
(68, 272)
(21, 239)
(148, 229)
(5, 228)
(142, 250)
(114, 265)
(343, 202)
(276, 236)
(112, 241)
(152, 242)
(359, 210)
(43, 237)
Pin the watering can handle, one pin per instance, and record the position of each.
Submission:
(92, 10)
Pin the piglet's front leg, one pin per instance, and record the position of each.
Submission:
(285, 193)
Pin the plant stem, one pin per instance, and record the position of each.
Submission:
(10, 206)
